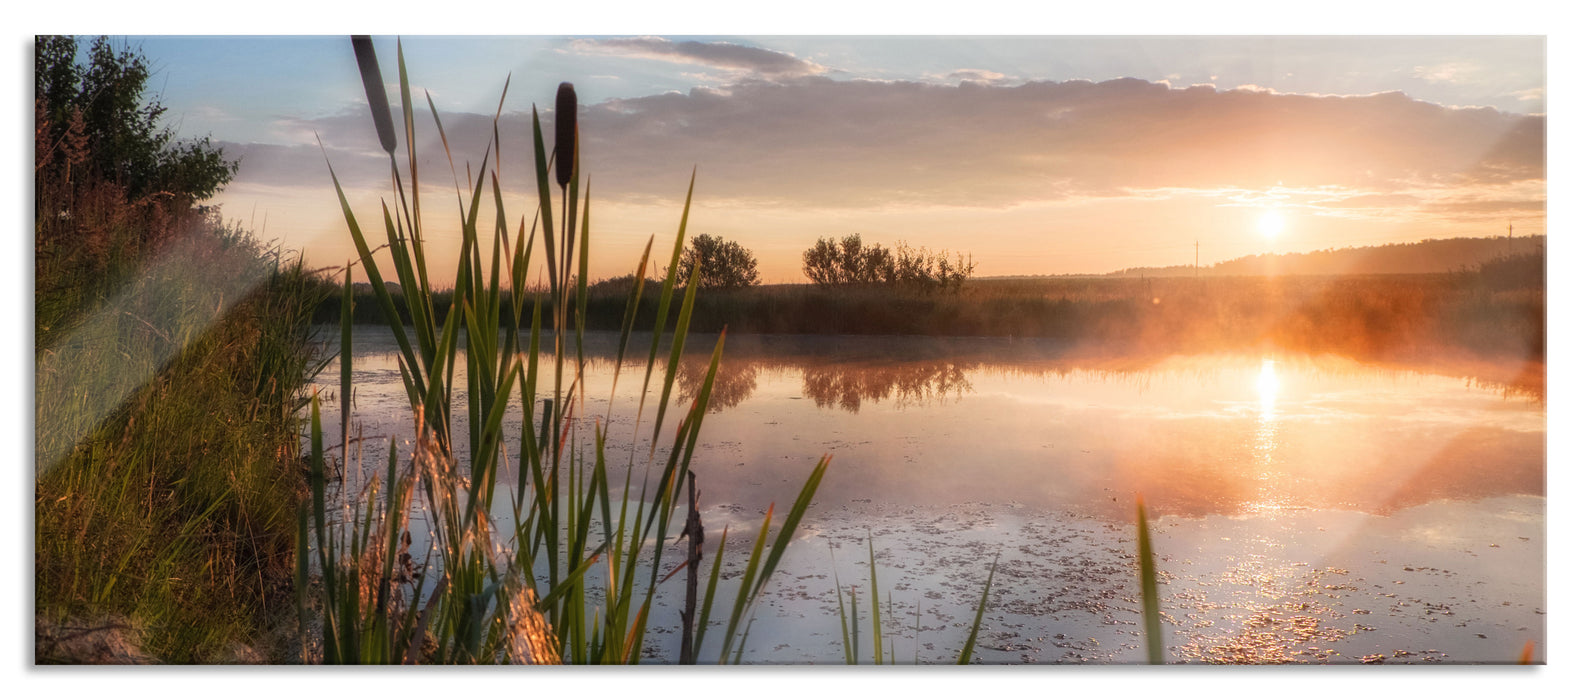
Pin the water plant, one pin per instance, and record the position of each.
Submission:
(850, 631)
(1148, 580)
(573, 574)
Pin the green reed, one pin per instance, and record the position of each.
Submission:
(476, 597)
(1148, 580)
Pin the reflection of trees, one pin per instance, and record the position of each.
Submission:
(733, 382)
(844, 384)
(912, 383)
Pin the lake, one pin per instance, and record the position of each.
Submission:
(1304, 509)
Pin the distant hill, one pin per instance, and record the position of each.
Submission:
(1429, 255)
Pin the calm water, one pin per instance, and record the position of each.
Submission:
(1305, 509)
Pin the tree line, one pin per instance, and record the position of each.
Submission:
(724, 264)
(848, 261)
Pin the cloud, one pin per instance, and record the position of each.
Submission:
(1454, 72)
(974, 75)
(822, 143)
(719, 55)
(865, 143)
(1530, 94)
(1375, 201)
(212, 113)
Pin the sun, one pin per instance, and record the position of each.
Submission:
(1271, 223)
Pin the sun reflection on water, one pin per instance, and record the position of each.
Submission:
(1268, 389)
(1271, 480)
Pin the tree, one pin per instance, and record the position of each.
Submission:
(821, 262)
(847, 261)
(721, 264)
(922, 269)
(98, 105)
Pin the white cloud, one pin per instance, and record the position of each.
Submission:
(1455, 72)
(1530, 94)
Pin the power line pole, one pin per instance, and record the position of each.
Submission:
(1194, 258)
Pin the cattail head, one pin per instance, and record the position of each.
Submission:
(374, 85)
(565, 133)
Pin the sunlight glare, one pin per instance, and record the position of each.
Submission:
(1268, 387)
(1271, 223)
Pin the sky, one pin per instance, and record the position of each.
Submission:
(1035, 154)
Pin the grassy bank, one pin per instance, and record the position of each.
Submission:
(1496, 311)
(170, 352)
(167, 446)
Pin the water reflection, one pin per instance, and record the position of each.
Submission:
(1293, 494)
(734, 382)
(1270, 493)
(916, 384)
(842, 374)
(930, 421)
(1268, 389)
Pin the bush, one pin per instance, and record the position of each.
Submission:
(929, 271)
(721, 264)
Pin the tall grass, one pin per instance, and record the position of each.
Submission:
(166, 406)
(170, 348)
(573, 576)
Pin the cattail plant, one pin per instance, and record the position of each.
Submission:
(378, 102)
(565, 133)
(480, 600)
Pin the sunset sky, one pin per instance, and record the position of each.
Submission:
(1038, 155)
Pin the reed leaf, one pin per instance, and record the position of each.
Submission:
(965, 657)
(665, 291)
(678, 344)
(1150, 587)
(873, 587)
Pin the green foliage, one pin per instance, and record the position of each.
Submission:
(93, 122)
(171, 347)
(721, 264)
(166, 433)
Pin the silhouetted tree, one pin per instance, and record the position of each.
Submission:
(925, 270)
(848, 261)
(721, 264)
